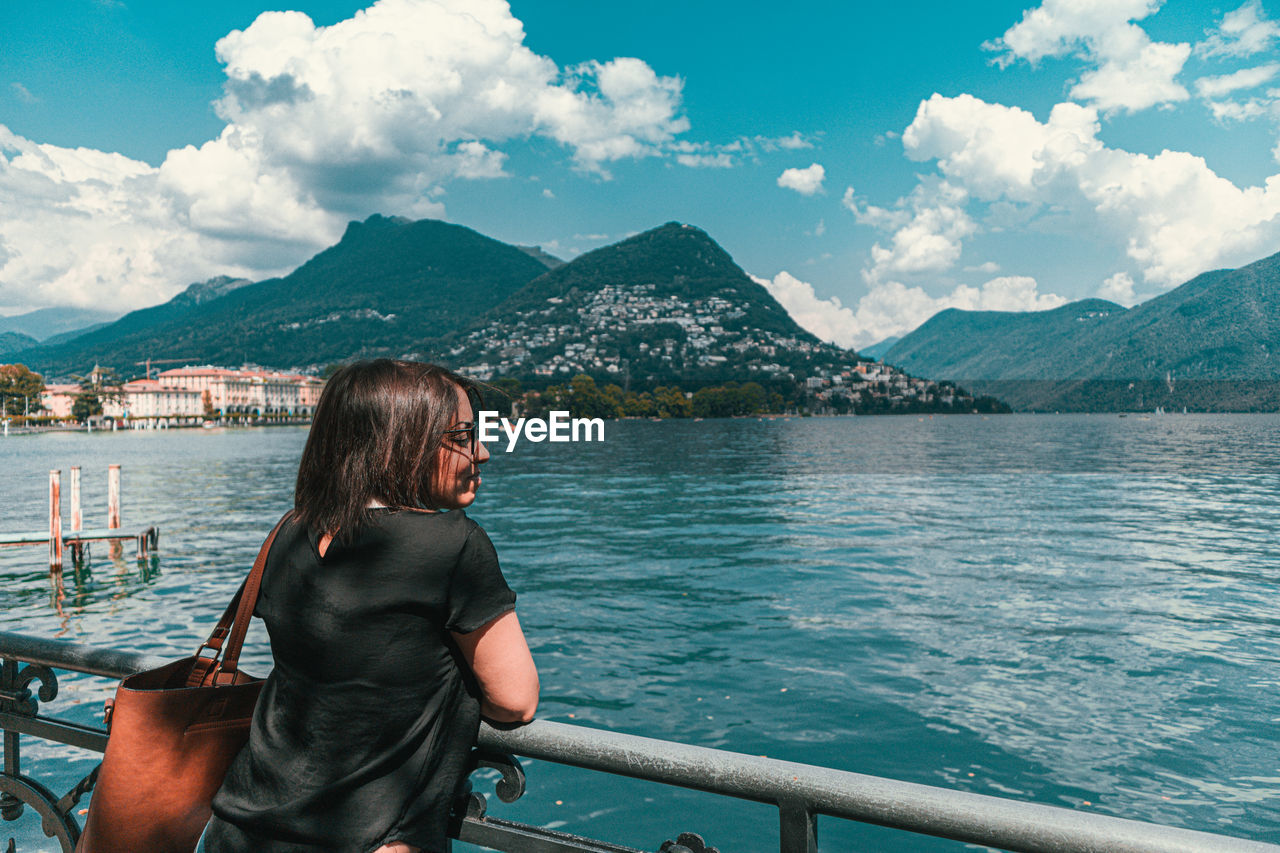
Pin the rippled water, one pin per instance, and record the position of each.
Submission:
(1073, 610)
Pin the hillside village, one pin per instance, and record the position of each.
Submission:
(665, 310)
(590, 335)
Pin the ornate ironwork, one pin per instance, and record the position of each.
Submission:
(15, 693)
(55, 822)
(511, 786)
(687, 842)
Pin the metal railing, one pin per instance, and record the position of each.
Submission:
(800, 792)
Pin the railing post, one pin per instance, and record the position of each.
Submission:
(55, 519)
(799, 827)
(10, 806)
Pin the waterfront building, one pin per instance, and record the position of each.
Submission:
(57, 400)
(255, 393)
(148, 400)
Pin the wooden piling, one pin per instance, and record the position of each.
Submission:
(55, 519)
(76, 525)
(77, 547)
(113, 496)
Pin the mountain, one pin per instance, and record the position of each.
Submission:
(385, 286)
(15, 342)
(141, 323)
(666, 305)
(1212, 343)
(547, 260)
(45, 323)
(877, 350)
(63, 337)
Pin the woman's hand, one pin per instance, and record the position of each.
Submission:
(500, 659)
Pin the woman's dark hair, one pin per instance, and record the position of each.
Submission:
(375, 436)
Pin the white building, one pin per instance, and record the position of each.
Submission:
(149, 400)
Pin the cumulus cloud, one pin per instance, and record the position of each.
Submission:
(95, 230)
(1243, 32)
(928, 229)
(1118, 288)
(1174, 216)
(892, 308)
(323, 124)
(807, 181)
(1130, 72)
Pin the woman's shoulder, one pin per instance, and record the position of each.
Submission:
(416, 522)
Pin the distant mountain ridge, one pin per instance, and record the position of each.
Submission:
(386, 285)
(15, 342)
(667, 307)
(45, 323)
(1211, 343)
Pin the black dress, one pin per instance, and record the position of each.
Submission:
(361, 734)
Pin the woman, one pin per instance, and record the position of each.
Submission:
(391, 626)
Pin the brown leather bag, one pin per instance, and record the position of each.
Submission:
(173, 733)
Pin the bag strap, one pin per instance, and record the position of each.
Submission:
(234, 622)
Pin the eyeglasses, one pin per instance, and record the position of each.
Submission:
(473, 431)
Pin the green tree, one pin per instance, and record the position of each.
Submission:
(86, 405)
(639, 405)
(587, 401)
(20, 389)
(101, 385)
(671, 402)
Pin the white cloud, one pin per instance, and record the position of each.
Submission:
(1173, 215)
(323, 124)
(928, 227)
(988, 267)
(97, 230)
(23, 93)
(1243, 32)
(870, 214)
(1130, 72)
(1224, 111)
(1118, 288)
(1245, 78)
(826, 318)
(720, 160)
(703, 155)
(807, 181)
(892, 308)
(547, 193)
(795, 142)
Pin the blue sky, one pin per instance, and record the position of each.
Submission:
(871, 163)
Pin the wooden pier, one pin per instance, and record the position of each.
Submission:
(77, 539)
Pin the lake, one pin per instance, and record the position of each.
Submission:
(1073, 610)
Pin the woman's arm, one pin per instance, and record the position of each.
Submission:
(500, 659)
